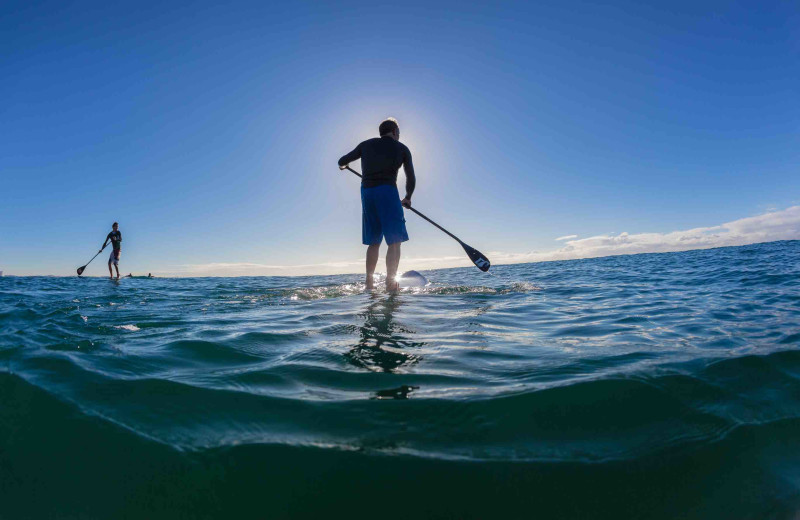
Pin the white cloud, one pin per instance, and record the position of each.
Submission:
(777, 225)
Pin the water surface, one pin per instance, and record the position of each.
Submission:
(649, 386)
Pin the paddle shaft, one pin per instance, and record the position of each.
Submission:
(421, 215)
(95, 256)
(82, 268)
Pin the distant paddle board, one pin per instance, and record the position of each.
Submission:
(412, 279)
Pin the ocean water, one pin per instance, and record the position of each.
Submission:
(646, 386)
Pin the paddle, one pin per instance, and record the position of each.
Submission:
(478, 258)
(81, 269)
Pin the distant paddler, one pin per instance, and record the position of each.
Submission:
(381, 208)
(115, 237)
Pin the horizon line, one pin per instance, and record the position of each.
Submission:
(542, 261)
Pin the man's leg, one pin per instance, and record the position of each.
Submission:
(110, 271)
(392, 261)
(372, 261)
(116, 266)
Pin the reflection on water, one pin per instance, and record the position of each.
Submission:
(383, 342)
(401, 392)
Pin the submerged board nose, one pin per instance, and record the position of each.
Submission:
(412, 279)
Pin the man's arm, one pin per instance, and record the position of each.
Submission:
(105, 242)
(411, 179)
(350, 157)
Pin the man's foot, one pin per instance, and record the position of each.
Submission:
(392, 286)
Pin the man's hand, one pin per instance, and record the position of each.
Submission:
(344, 167)
(406, 202)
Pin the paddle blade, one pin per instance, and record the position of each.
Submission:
(80, 270)
(478, 258)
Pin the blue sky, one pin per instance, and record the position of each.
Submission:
(211, 132)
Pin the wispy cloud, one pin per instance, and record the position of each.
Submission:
(776, 225)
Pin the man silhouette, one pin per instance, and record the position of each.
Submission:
(382, 210)
(116, 240)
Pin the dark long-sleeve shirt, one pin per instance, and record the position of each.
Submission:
(381, 157)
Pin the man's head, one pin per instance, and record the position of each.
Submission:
(389, 127)
(114, 226)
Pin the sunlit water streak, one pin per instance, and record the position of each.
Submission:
(540, 374)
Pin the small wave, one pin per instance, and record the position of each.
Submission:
(335, 291)
(130, 327)
(351, 289)
(516, 287)
(311, 293)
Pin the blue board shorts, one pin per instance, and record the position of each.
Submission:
(382, 216)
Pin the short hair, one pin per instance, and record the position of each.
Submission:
(115, 224)
(388, 126)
